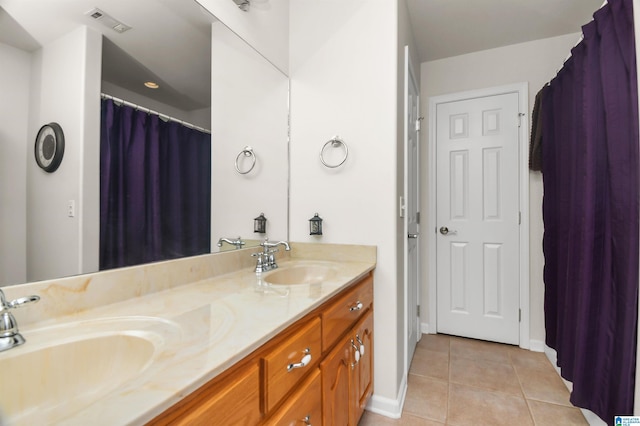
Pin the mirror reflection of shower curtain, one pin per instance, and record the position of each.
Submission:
(155, 188)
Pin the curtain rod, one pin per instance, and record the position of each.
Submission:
(150, 111)
(579, 39)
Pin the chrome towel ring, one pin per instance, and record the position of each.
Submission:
(335, 142)
(246, 152)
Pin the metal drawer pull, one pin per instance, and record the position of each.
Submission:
(306, 359)
(356, 307)
(361, 345)
(307, 420)
(356, 354)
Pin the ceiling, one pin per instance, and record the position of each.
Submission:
(169, 42)
(444, 28)
(170, 39)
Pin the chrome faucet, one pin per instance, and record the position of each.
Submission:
(238, 243)
(266, 258)
(9, 336)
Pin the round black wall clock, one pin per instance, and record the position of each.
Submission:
(49, 148)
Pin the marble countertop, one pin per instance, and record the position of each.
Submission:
(197, 331)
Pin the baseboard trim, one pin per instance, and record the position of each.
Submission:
(388, 407)
(424, 328)
(536, 345)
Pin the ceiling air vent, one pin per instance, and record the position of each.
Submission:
(108, 21)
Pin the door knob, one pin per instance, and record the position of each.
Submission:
(446, 231)
(412, 235)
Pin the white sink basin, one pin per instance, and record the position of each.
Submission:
(302, 274)
(62, 368)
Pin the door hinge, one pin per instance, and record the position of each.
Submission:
(418, 310)
(519, 218)
(418, 218)
(519, 315)
(520, 115)
(418, 125)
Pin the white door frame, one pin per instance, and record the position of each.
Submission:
(523, 100)
(409, 77)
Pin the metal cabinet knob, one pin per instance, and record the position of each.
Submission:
(356, 354)
(361, 348)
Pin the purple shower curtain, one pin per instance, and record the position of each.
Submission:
(155, 188)
(590, 211)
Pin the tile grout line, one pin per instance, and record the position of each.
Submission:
(524, 395)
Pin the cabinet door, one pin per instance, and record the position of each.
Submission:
(362, 373)
(303, 407)
(336, 373)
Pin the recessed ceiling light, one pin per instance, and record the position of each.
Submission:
(151, 84)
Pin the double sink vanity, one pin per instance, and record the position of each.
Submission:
(200, 340)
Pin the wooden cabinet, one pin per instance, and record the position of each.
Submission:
(317, 371)
(235, 400)
(347, 371)
(336, 373)
(362, 372)
(347, 375)
(286, 364)
(303, 407)
(340, 315)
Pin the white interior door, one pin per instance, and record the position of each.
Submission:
(477, 240)
(412, 215)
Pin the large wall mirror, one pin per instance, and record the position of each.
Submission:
(57, 59)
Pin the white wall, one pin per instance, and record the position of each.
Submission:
(535, 62)
(249, 107)
(65, 87)
(265, 26)
(343, 72)
(15, 146)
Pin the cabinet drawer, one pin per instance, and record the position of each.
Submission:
(235, 402)
(344, 312)
(290, 361)
(304, 405)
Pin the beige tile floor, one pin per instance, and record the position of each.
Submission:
(460, 382)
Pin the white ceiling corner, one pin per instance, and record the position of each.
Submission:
(445, 28)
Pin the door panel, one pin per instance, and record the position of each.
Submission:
(412, 217)
(477, 243)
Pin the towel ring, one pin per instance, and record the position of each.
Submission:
(247, 152)
(335, 142)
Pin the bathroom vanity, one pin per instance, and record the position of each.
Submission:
(317, 371)
(198, 340)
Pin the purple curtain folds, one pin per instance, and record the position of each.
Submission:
(590, 212)
(155, 188)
